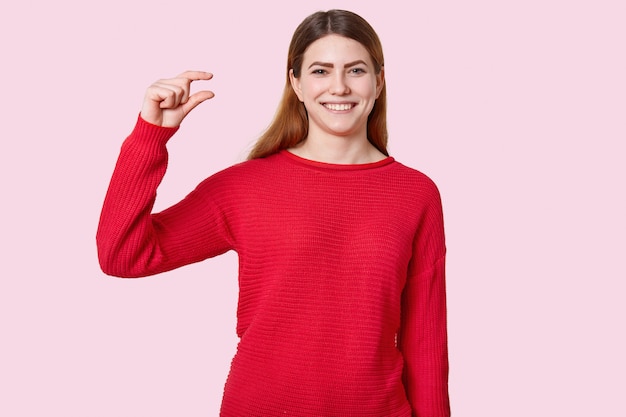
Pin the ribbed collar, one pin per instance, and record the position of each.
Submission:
(334, 167)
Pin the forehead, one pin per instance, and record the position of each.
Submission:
(336, 49)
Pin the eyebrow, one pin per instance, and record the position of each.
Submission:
(330, 65)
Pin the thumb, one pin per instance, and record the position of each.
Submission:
(195, 99)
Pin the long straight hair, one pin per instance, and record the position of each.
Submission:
(290, 125)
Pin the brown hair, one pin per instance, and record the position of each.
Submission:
(290, 124)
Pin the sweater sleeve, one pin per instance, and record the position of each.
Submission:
(423, 333)
(134, 242)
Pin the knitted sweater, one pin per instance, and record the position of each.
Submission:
(341, 273)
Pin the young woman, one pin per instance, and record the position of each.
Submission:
(341, 248)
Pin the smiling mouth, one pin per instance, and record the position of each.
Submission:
(339, 106)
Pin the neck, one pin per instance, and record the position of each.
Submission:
(338, 149)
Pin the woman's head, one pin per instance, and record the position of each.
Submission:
(290, 124)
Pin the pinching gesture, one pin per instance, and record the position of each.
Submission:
(168, 101)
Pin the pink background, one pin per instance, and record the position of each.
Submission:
(515, 108)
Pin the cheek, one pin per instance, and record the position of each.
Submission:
(312, 88)
(368, 88)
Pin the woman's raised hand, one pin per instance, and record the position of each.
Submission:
(168, 101)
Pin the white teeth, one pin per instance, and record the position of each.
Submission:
(338, 107)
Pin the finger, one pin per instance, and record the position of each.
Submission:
(181, 85)
(184, 81)
(186, 78)
(196, 99)
(168, 95)
(195, 75)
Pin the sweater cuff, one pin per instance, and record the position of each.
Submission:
(150, 131)
(147, 137)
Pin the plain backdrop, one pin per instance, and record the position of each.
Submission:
(515, 108)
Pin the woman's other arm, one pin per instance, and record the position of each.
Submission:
(423, 334)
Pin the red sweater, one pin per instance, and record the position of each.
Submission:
(341, 272)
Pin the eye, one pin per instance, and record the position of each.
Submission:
(357, 71)
(318, 71)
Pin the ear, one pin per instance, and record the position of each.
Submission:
(295, 84)
(380, 81)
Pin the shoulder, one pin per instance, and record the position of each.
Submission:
(415, 181)
(250, 169)
(244, 174)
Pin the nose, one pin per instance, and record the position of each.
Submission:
(338, 85)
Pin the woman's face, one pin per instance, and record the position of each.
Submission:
(338, 85)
